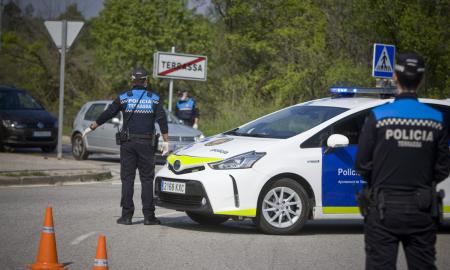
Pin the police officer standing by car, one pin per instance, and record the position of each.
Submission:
(140, 108)
(403, 153)
(186, 109)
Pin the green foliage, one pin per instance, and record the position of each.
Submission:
(262, 54)
(128, 33)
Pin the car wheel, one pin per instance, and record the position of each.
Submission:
(48, 149)
(282, 208)
(79, 150)
(206, 219)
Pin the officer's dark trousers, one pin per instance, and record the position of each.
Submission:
(137, 154)
(415, 229)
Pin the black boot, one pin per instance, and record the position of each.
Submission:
(124, 220)
(151, 221)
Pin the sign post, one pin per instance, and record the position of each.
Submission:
(171, 88)
(179, 66)
(61, 86)
(63, 34)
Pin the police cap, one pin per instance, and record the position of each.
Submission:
(410, 64)
(139, 74)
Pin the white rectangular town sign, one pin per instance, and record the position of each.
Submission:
(179, 66)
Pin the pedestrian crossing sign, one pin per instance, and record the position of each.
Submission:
(383, 61)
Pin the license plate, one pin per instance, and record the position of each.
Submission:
(174, 187)
(42, 133)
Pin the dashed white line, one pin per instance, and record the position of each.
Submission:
(81, 238)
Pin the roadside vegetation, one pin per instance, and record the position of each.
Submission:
(262, 54)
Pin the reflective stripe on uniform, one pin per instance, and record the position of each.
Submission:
(244, 213)
(48, 229)
(189, 160)
(101, 262)
(340, 210)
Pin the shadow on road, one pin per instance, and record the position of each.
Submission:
(229, 227)
(316, 227)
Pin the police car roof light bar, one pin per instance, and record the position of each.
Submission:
(351, 91)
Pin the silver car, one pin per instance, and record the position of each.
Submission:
(102, 140)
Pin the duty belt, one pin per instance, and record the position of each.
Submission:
(141, 136)
(400, 198)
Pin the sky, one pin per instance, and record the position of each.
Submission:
(50, 9)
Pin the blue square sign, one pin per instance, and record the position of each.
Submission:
(383, 61)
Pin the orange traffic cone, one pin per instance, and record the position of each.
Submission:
(47, 257)
(101, 259)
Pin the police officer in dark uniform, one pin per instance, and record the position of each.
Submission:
(186, 109)
(402, 154)
(140, 108)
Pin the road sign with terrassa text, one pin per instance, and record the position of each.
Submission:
(383, 61)
(179, 66)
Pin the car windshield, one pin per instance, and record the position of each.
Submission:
(288, 122)
(17, 100)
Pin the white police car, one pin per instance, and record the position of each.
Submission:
(281, 169)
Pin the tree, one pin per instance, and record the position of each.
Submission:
(26, 62)
(421, 26)
(128, 33)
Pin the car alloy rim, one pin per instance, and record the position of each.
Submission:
(281, 207)
(78, 147)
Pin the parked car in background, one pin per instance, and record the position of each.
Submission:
(24, 122)
(103, 140)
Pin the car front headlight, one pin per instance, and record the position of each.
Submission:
(242, 161)
(12, 124)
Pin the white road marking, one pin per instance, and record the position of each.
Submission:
(81, 238)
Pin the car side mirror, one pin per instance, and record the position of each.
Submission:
(336, 141)
(115, 121)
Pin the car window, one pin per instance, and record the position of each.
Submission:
(94, 111)
(288, 122)
(350, 127)
(445, 110)
(17, 100)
